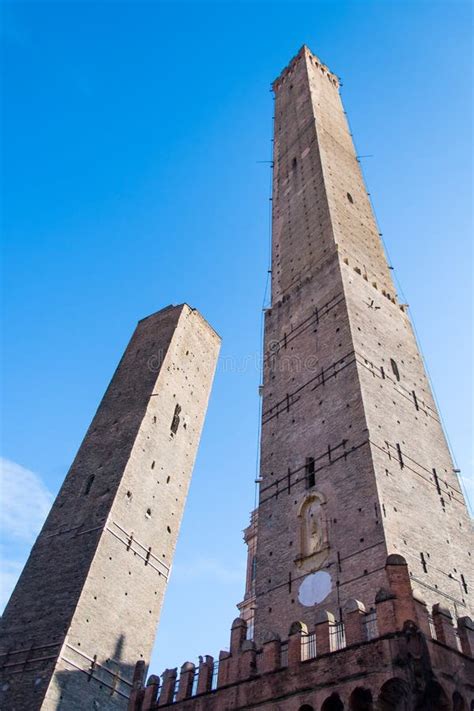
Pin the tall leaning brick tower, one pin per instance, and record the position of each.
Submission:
(88, 601)
(354, 461)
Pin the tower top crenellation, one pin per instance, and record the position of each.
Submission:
(304, 52)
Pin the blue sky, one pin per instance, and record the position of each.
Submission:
(132, 141)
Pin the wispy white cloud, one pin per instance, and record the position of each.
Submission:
(467, 482)
(24, 502)
(24, 505)
(11, 570)
(209, 568)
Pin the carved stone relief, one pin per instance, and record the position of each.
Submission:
(313, 535)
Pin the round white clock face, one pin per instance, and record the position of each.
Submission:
(315, 588)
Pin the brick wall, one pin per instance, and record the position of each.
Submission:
(94, 583)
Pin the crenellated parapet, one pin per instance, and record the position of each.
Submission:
(304, 53)
(397, 636)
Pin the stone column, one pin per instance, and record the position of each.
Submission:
(206, 670)
(247, 660)
(443, 624)
(224, 668)
(168, 687)
(324, 621)
(400, 585)
(186, 679)
(466, 635)
(354, 616)
(271, 655)
(151, 693)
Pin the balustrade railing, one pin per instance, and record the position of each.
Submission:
(337, 637)
(308, 646)
(370, 624)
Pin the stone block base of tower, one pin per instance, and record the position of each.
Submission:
(393, 656)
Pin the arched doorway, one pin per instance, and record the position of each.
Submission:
(333, 703)
(435, 698)
(458, 702)
(394, 696)
(361, 700)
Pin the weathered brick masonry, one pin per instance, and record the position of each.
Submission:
(394, 660)
(356, 476)
(359, 580)
(87, 604)
(354, 462)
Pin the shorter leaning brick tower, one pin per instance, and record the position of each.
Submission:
(87, 604)
(360, 576)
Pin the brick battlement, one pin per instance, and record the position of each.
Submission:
(398, 644)
(288, 70)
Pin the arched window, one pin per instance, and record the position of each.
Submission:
(90, 481)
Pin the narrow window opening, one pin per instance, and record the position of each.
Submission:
(400, 456)
(148, 513)
(176, 419)
(396, 372)
(350, 198)
(423, 563)
(293, 164)
(310, 473)
(90, 481)
(464, 584)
